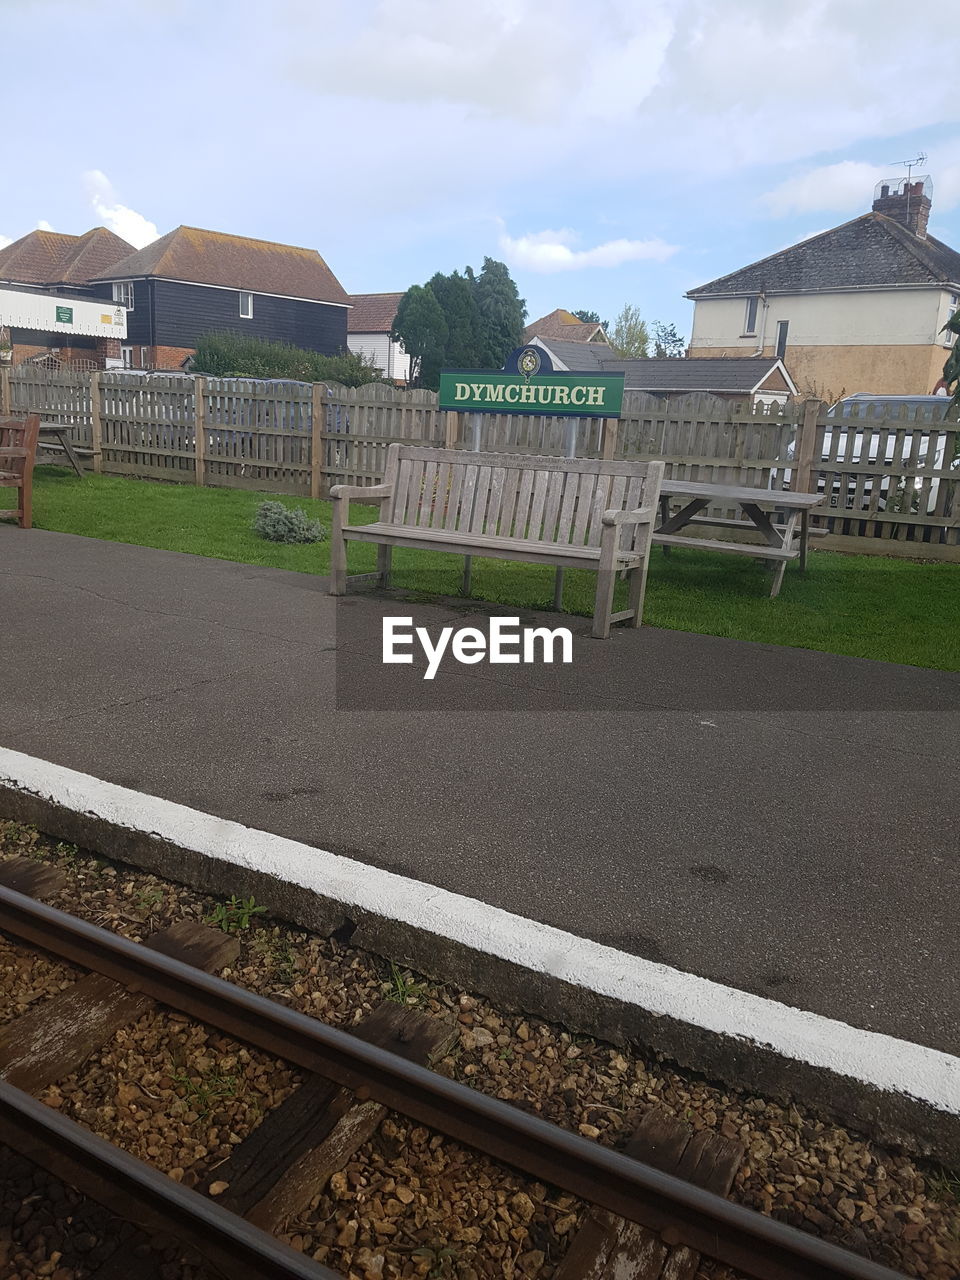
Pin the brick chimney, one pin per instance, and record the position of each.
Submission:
(907, 203)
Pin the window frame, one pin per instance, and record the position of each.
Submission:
(123, 294)
(750, 313)
(783, 328)
(245, 293)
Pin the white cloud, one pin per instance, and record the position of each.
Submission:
(681, 85)
(5, 240)
(44, 225)
(126, 223)
(844, 187)
(549, 251)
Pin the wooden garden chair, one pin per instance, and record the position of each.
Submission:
(18, 452)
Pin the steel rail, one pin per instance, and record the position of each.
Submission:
(143, 1195)
(682, 1213)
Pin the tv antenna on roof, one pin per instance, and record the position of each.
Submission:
(909, 164)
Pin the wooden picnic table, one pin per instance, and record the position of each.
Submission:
(783, 540)
(61, 432)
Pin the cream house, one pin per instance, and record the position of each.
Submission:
(369, 323)
(859, 308)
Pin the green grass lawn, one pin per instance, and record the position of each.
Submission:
(866, 606)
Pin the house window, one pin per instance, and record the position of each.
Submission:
(949, 338)
(750, 319)
(123, 293)
(782, 326)
(246, 306)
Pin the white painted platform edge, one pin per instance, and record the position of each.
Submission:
(881, 1061)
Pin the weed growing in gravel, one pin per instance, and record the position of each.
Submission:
(944, 1185)
(147, 900)
(442, 1259)
(235, 915)
(201, 1094)
(403, 988)
(276, 954)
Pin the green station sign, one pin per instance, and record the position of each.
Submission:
(554, 395)
(64, 315)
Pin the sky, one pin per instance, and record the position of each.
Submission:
(616, 152)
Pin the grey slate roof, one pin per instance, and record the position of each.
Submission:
(872, 250)
(702, 373)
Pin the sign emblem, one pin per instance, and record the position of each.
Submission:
(529, 363)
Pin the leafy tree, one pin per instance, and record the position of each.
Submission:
(455, 295)
(630, 338)
(502, 313)
(951, 370)
(420, 325)
(667, 343)
(591, 317)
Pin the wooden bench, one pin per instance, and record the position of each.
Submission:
(18, 452)
(578, 513)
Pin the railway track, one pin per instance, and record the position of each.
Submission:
(656, 1208)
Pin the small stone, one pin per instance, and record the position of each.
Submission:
(522, 1206)
(218, 1188)
(590, 1131)
(565, 1224)
(404, 1195)
(348, 1234)
(847, 1208)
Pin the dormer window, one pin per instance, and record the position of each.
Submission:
(246, 306)
(750, 316)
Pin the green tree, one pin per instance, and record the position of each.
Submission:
(420, 325)
(591, 317)
(630, 338)
(951, 370)
(455, 295)
(502, 313)
(667, 343)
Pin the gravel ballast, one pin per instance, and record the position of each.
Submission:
(412, 1202)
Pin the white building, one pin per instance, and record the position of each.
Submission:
(368, 333)
(36, 323)
(859, 308)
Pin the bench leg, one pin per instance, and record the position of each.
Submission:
(778, 572)
(603, 605)
(637, 580)
(384, 563)
(338, 552)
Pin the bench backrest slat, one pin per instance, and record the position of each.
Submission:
(554, 500)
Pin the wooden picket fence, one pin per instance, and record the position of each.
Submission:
(890, 485)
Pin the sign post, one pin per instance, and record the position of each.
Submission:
(534, 389)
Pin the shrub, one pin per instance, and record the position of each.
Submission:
(278, 523)
(234, 355)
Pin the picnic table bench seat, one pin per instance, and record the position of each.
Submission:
(565, 512)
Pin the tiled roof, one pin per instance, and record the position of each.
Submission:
(872, 250)
(580, 356)
(233, 262)
(51, 257)
(563, 325)
(702, 373)
(373, 312)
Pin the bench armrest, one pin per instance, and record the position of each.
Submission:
(642, 515)
(361, 491)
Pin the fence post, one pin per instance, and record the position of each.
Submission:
(609, 446)
(451, 429)
(806, 442)
(96, 422)
(6, 400)
(200, 427)
(318, 416)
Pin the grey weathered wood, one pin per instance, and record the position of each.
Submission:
(291, 1157)
(565, 512)
(54, 1038)
(610, 1248)
(758, 551)
(37, 879)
